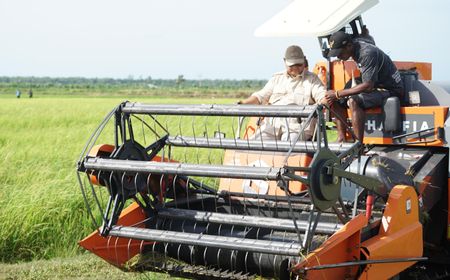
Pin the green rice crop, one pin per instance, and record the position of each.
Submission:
(82, 267)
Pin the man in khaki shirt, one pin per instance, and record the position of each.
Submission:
(295, 85)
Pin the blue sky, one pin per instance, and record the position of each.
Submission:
(195, 38)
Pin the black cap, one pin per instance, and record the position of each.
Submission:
(337, 41)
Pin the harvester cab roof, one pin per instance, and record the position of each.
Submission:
(190, 190)
(319, 19)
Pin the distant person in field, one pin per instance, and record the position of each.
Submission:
(293, 86)
(18, 93)
(30, 93)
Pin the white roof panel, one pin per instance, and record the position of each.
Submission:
(313, 17)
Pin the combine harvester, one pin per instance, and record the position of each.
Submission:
(184, 189)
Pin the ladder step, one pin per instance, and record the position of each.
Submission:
(215, 241)
(243, 220)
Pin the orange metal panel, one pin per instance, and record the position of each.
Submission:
(321, 70)
(262, 159)
(423, 68)
(272, 159)
(341, 71)
(100, 150)
(400, 235)
(342, 246)
(438, 113)
(117, 251)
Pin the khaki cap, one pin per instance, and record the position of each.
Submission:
(294, 55)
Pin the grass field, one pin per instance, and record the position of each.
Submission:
(82, 266)
(42, 212)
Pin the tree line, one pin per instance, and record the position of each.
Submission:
(130, 82)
